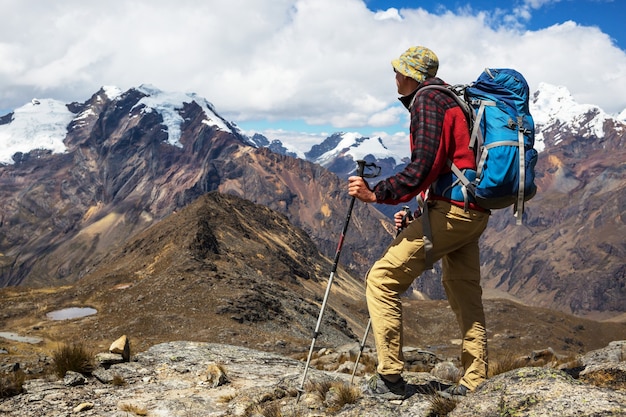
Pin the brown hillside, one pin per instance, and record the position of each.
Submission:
(229, 271)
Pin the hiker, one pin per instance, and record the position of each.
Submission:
(438, 133)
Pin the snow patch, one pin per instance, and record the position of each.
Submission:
(112, 92)
(168, 106)
(40, 124)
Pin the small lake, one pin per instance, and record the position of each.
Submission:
(71, 313)
(18, 338)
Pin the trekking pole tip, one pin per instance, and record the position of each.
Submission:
(300, 391)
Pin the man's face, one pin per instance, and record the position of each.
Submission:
(405, 84)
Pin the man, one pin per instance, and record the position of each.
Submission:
(439, 133)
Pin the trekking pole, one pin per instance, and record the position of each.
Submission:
(358, 358)
(361, 173)
(407, 217)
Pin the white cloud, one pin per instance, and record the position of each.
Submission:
(388, 117)
(323, 61)
(389, 14)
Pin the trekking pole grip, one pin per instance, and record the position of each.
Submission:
(373, 169)
(360, 167)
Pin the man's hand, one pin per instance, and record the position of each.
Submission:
(403, 218)
(400, 219)
(357, 187)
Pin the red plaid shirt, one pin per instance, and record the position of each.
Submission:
(438, 132)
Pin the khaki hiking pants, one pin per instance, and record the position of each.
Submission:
(455, 235)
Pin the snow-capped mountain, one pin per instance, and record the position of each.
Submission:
(349, 144)
(43, 123)
(122, 161)
(553, 107)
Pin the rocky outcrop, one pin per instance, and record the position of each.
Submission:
(203, 379)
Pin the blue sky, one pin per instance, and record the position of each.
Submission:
(298, 70)
(608, 15)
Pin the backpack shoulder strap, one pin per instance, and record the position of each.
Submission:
(457, 92)
(454, 91)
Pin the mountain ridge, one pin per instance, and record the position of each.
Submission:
(550, 105)
(119, 174)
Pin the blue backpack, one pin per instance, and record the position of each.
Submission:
(503, 139)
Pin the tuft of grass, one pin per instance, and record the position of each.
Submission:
(225, 399)
(319, 388)
(506, 362)
(137, 410)
(343, 358)
(74, 357)
(439, 406)
(606, 378)
(368, 362)
(118, 381)
(303, 356)
(216, 375)
(269, 404)
(334, 396)
(12, 383)
(344, 394)
(271, 410)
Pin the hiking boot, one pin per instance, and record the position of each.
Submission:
(379, 387)
(455, 392)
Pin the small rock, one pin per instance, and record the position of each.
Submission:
(311, 401)
(83, 407)
(446, 370)
(122, 347)
(348, 367)
(103, 375)
(73, 379)
(12, 367)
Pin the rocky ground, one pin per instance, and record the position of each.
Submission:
(193, 379)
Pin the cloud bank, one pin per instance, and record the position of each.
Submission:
(326, 62)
